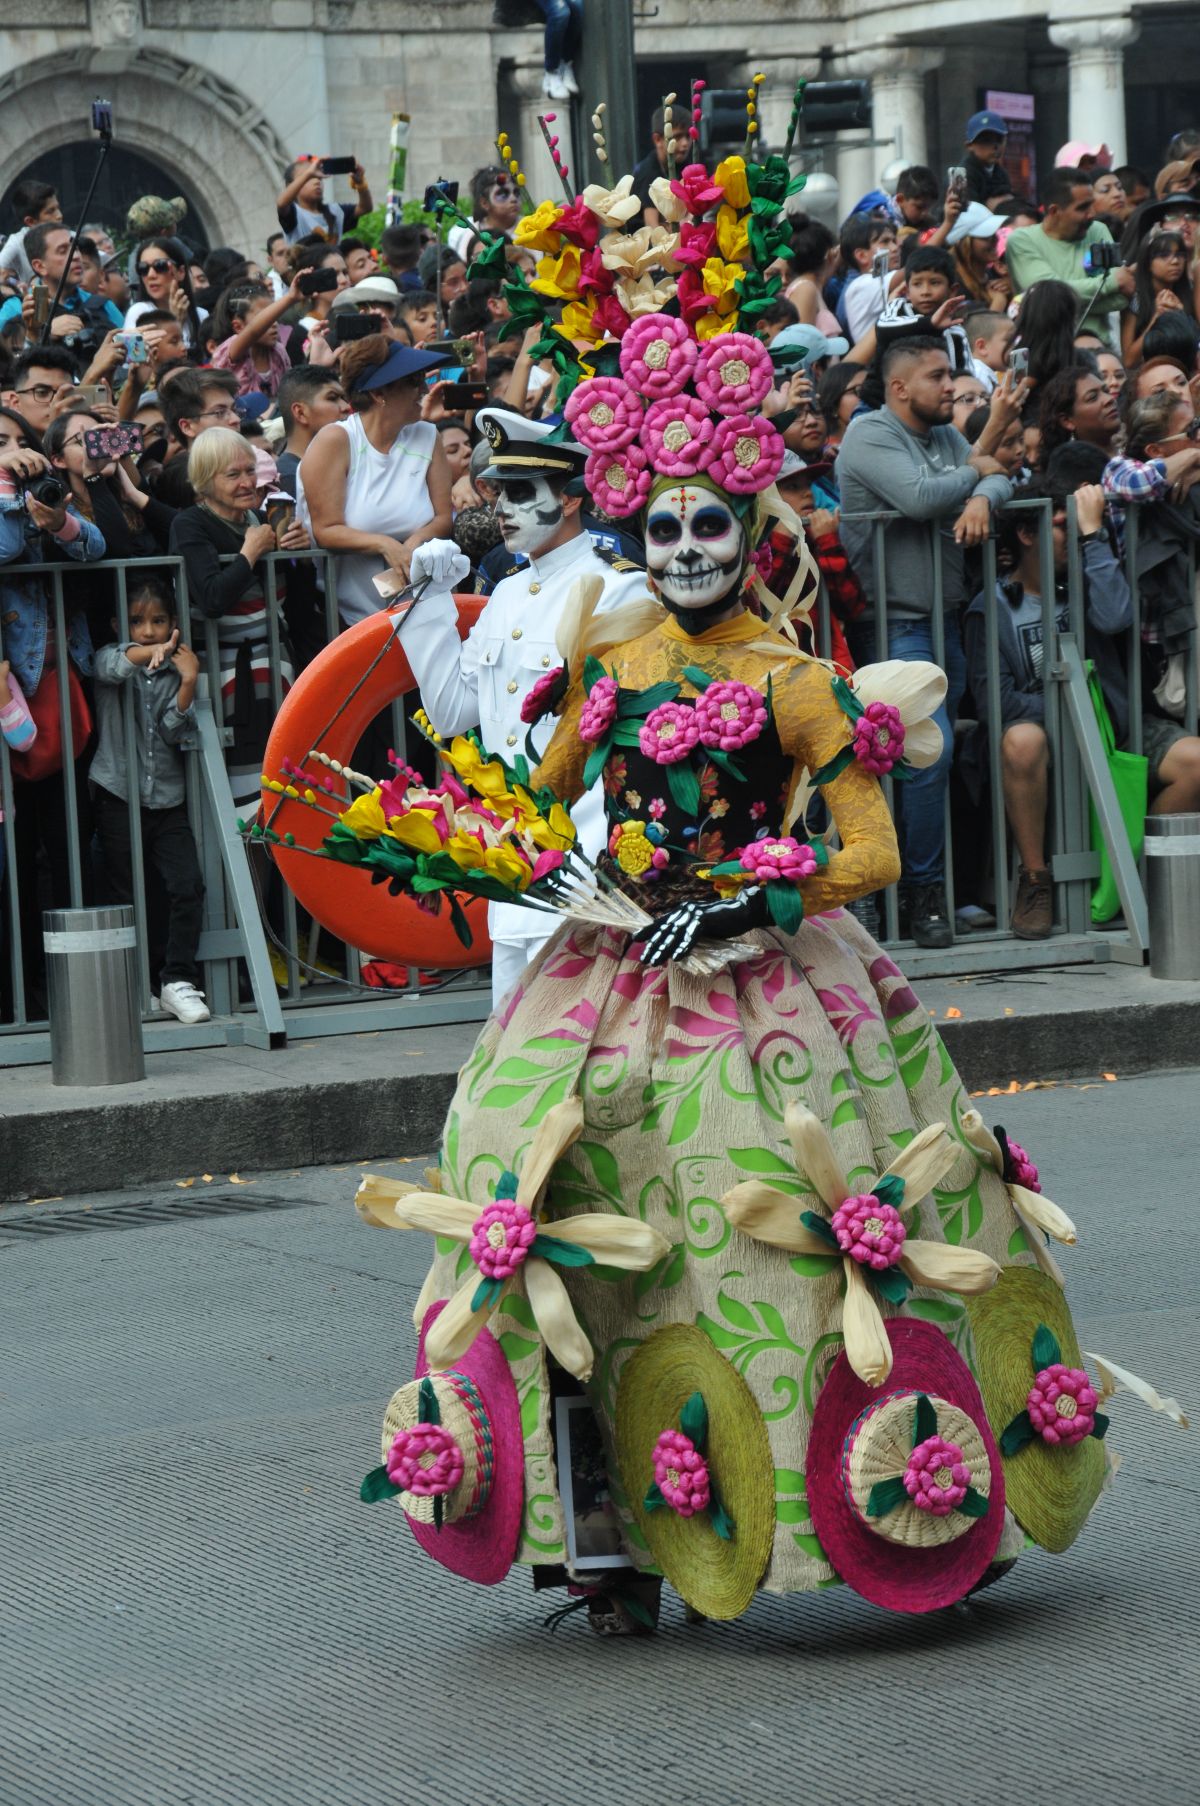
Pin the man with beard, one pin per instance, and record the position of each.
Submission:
(1059, 247)
(908, 457)
(483, 681)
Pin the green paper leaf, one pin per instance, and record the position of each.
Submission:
(638, 703)
(596, 760)
(892, 1285)
(593, 671)
(428, 1409)
(636, 1609)
(724, 762)
(974, 1505)
(786, 905)
(486, 1292)
(847, 701)
(792, 1511)
(835, 766)
(561, 1254)
(1045, 1351)
(625, 733)
(653, 1500)
(684, 786)
(720, 1519)
(820, 1226)
(698, 679)
(815, 1266)
(925, 1421)
(889, 1190)
(693, 1420)
(1101, 1426)
(886, 1496)
(1018, 1433)
(377, 1486)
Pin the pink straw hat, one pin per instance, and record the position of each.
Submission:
(454, 1459)
(905, 1484)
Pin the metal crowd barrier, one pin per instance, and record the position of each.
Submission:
(242, 923)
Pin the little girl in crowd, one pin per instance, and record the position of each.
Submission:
(253, 353)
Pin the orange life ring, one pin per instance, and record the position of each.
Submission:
(342, 897)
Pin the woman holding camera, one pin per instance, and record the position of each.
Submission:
(39, 525)
(92, 457)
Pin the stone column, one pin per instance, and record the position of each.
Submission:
(1096, 77)
(898, 101)
(526, 134)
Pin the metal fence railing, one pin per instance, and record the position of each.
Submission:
(250, 916)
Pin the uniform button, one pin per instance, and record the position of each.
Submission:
(535, 589)
(517, 631)
(512, 688)
(546, 660)
(512, 739)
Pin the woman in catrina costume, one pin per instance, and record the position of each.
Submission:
(720, 1171)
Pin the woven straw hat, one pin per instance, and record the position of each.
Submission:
(716, 1574)
(862, 1440)
(476, 1409)
(1051, 1490)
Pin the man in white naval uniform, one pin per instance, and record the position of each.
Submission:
(482, 681)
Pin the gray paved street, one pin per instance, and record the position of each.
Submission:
(195, 1608)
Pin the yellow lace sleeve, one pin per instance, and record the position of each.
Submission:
(565, 757)
(812, 727)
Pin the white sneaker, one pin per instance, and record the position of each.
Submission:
(566, 74)
(185, 1001)
(554, 87)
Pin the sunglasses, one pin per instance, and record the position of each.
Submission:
(160, 266)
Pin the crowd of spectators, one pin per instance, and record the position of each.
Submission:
(952, 349)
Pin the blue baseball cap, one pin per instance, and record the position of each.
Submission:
(401, 361)
(986, 121)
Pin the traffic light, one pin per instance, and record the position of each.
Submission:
(722, 118)
(835, 107)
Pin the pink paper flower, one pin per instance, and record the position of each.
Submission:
(869, 1232)
(1062, 1405)
(658, 354)
(782, 857)
(425, 1460)
(678, 436)
(733, 373)
(669, 733)
(537, 700)
(696, 245)
(657, 808)
(692, 296)
(1022, 1171)
(747, 454)
(608, 315)
(594, 276)
(730, 715)
(696, 189)
(681, 1473)
(599, 711)
(501, 1238)
(603, 414)
(936, 1478)
(578, 223)
(619, 481)
(548, 861)
(879, 738)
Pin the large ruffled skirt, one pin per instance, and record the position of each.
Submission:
(684, 1082)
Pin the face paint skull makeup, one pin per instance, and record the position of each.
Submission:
(528, 513)
(696, 551)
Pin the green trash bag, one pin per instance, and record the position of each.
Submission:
(1130, 773)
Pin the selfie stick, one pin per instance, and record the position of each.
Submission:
(102, 122)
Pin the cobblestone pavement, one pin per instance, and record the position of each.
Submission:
(194, 1607)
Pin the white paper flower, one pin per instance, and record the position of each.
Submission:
(868, 1224)
(666, 203)
(1033, 1211)
(614, 206)
(631, 253)
(916, 690)
(512, 1248)
(645, 296)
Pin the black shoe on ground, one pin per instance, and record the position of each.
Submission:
(930, 919)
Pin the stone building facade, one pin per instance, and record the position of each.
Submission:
(218, 95)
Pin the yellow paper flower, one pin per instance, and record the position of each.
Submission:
(465, 850)
(666, 203)
(558, 277)
(614, 1241)
(708, 326)
(486, 779)
(417, 830)
(536, 231)
(365, 817)
(730, 174)
(508, 867)
(634, 852)
(733, 240)
(719, 278)
(612, 206)
(578, 321)
(555, 831)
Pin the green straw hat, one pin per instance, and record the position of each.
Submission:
(1050, 1487)
(696, 1465)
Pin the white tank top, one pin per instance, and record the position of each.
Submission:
(386, 492)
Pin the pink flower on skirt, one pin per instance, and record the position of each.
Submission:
(604, 414)
(936, 1478)
(599, 711)
(537, 700)
(681, 1473)
(678, 436)
(783, 857)
(425, 1460)
(658, 354)
(747, 454)
(734, 373)
(619, 481)
(871, 1233)
(1022, 1171)
(879, 738)
(669, 733)
(501, 1238)
(730, 715)
(1062, 1405)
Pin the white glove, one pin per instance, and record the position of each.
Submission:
(441, 562)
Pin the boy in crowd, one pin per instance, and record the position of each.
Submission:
(990, 337)
(987, 179)
(864, 237)
(309, 398)
(916, 196)
(165, 673)
(35, 204)
(418, 311)
(930, 283)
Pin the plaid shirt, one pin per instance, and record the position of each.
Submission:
(1129, 480)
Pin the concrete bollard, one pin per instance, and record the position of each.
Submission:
(92, 984)
(1173, 895)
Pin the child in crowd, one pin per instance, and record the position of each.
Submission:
(418, 311)
(916, 196)
(16, 724)
(990, 336)
(164, 673)
(247, 322)
(930, 285)
(987, 179)
(1163, 286)
(866, 236)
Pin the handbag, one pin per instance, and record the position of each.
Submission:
(45, 756)
(1130, 774)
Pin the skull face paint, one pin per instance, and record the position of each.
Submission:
(528, 513)
(695, 548)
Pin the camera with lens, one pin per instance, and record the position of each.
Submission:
(1100, 258)
(47, 490)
